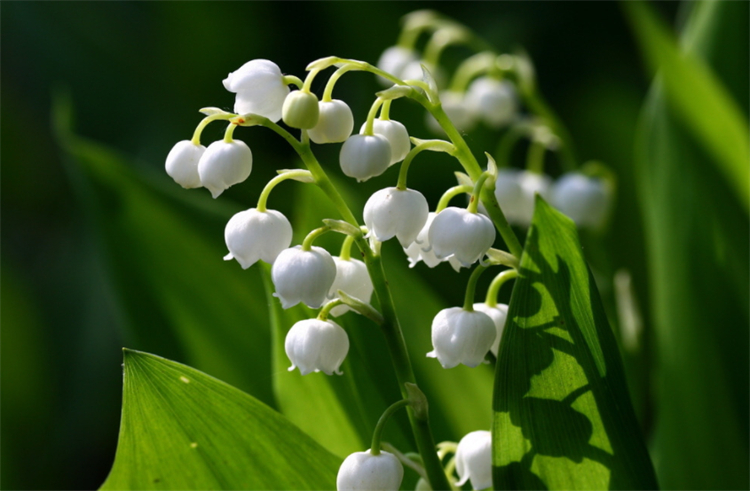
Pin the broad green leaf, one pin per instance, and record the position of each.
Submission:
(698, 97)
(163, 249)
(562, 413)
(699, 256)
(182, 429)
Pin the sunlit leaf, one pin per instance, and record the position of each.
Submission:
(699, 97)
(182, 429)
(562, 413)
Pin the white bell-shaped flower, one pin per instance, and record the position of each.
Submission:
(392, 212)
(313, 345)
(353, 279)
(394, 60)
(335, 122)
(300, 110)
(494, 101)
(224, 164)
(584, 199)
(397, 136)
(260, 89)
(363, 471)
(251, 235)
(182, 163)
(303, 276)
(474, 460)
(498, 314)
(455, 107)
(515, 191)
(460, 233)
(461, 336)
(365, 156)
(421, 250)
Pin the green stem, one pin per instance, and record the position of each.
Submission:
(535, 157)
(328, 92)
(346, 248)
(323, 314)
(204, 122)
(309, 80)
(293, 80)
(472, 67)
(375, 447)
(385, 111)
(310, 238)
(471, 287)
(450, 194)
(435, 145)
(371, 116)
(229, 132)
(476, 192)
(263, 198)
(497, 282)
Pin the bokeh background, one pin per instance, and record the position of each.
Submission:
(133, 76)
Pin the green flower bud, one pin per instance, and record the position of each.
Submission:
(300, 110)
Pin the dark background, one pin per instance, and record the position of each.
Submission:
(136, 74)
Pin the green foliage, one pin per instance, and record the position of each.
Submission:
(697, 96)
(182, 429)
(563, 417)
(697, 235)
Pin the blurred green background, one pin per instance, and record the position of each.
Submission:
(135, 75)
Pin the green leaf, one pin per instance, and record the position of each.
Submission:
(562, 413)
(162, 247)
(699, 257)
(699, 97)
(182, 429)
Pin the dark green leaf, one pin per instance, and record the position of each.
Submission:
(697, 238)
(182, 429)
(163, 249)
(699, 97)
(563, 417)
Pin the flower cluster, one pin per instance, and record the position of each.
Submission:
(486, 88)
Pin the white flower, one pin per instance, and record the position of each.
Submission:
(454, 105)
(495, 101)
(363, 471)
(392, 212)
(182, 163)
(365, 156)
(303, 276)
(251, 235)
(353, 279)
(224, 164)
(499, 315)
(396, 134)
(584, 199)
(461, 336)
(335, 123)
(421, 250)
(300, 110)
(394, 60)
(260, 89)
(314, 345)
(515, 191)
(456, 231)
(474, 460)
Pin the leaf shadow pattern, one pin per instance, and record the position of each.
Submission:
(562, 414)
